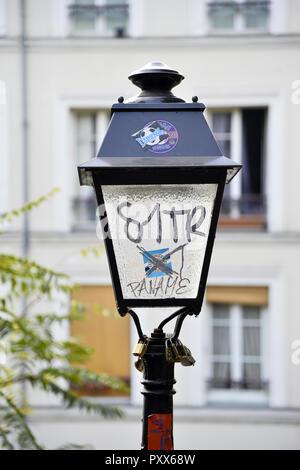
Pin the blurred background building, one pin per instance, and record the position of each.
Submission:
(63, 63)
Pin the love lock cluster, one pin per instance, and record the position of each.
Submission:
(175, 351)
(178, 352)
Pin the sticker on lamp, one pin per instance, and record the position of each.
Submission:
(157, 262)
(157, 136)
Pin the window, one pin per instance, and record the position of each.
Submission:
(90, 127)
(108, 336)
(240, 134)
(106, 17)
(238, 344)
(239, 16)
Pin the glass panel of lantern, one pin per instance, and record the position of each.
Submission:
(159, 235)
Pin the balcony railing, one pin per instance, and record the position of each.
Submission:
(243, 384)
(248, 211)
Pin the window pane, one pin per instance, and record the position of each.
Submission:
(253, 145)
(116, 16)
(221, 122)
(251, 348)
(222, 16)
(236, 347)
(221, 312)
(221, 340)
(252, 376)
(251, 313)
(251, 341)
(84, 203)
(84, 15)
(251, 331)
(221, 375)
(221, 346)
(86, 136)
(256, 16)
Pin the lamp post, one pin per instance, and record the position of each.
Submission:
(159, 178)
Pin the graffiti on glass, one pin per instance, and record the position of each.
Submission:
(161, 278)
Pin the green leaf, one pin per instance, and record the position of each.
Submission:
(8, 216)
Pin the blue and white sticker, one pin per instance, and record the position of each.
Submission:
(157, 262)
(157, 136)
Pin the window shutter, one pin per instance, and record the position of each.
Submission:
(108, 336)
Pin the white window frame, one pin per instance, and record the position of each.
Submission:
(64, 151)
(99, 24)
(102, 121)
(275, 332)
(277, 22)
(253, 397)
(60, 17)
(136, 26)
(274, 163)
(191, 386)
(235, 149)
(199, 22)
(239, 26)
(61, 22)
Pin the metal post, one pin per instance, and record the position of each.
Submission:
(158, 381)
(24, 153)
(24, 91)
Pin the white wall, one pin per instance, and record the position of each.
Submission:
(204, 430)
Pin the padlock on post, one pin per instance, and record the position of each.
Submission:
(168, 351)
(187, 359)
(175, 348)
(139, 364)
(141, 348)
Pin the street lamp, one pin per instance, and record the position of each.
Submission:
(159, 178)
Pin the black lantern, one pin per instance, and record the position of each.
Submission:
(159, 178)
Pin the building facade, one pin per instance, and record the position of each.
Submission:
(63, 64)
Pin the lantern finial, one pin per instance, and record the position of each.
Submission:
(156, 81)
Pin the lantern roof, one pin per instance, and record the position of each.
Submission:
(157, 129)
